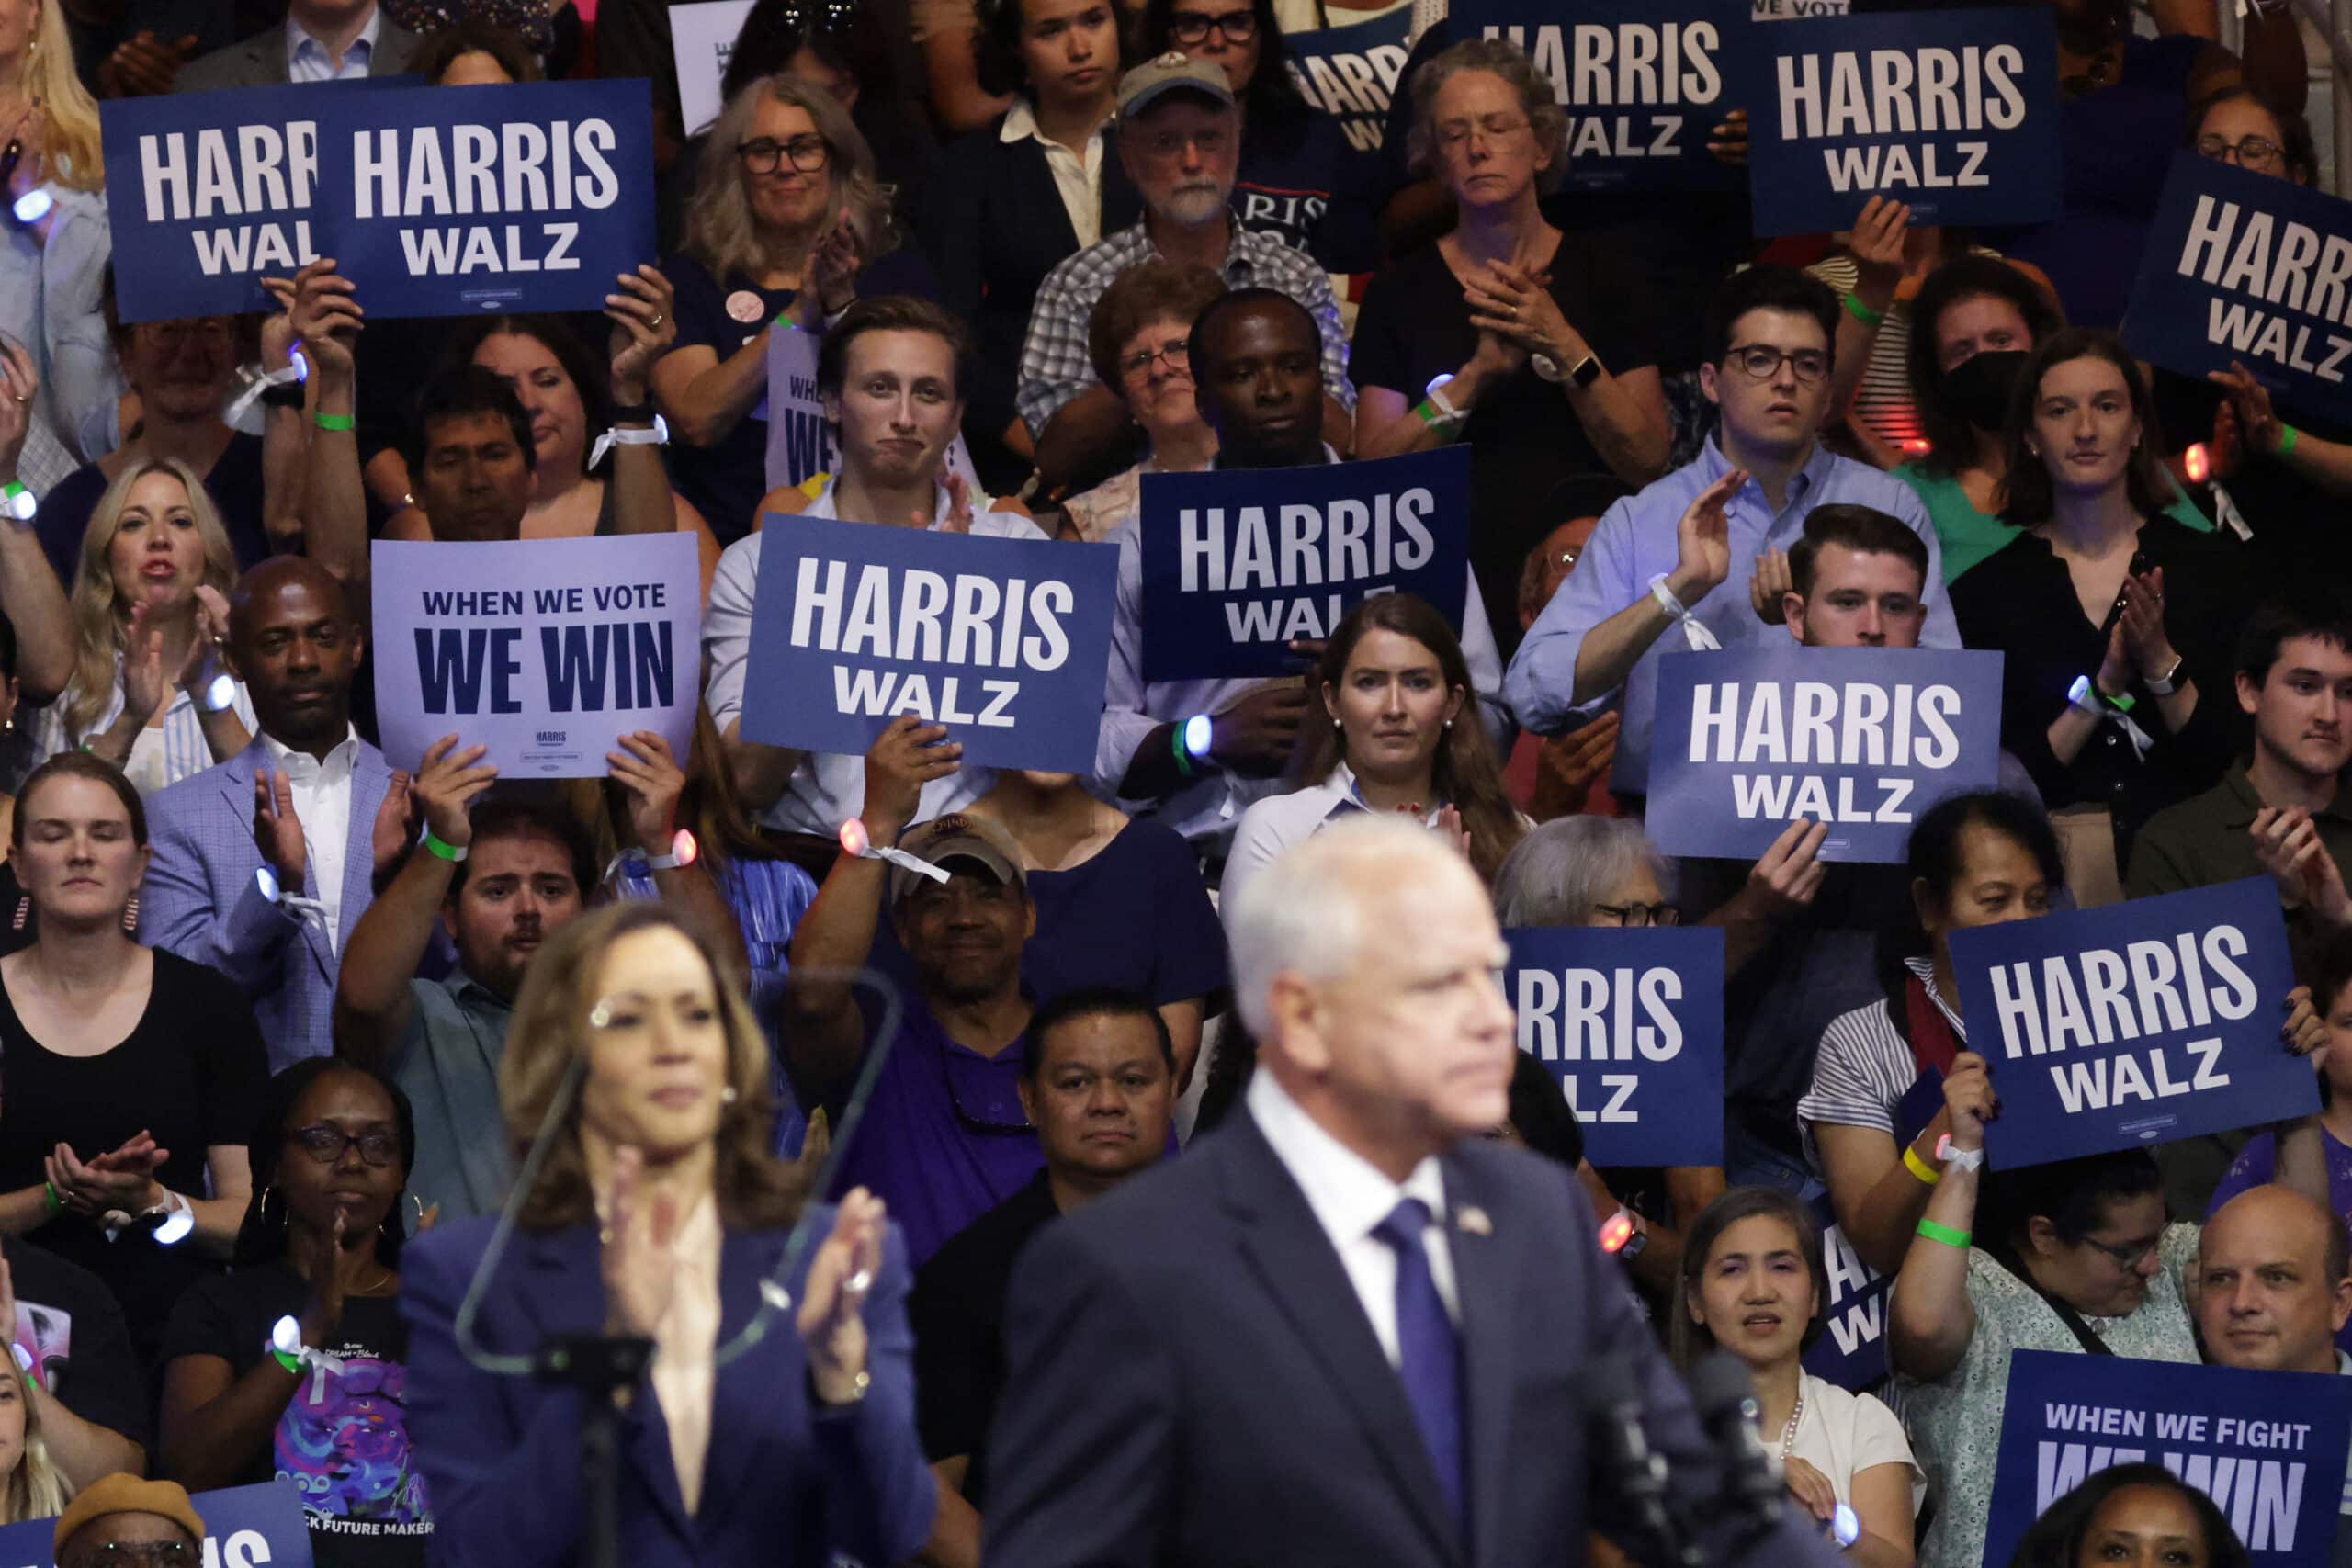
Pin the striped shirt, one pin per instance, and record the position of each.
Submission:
(1054, 364)
(1882, 404)
(164, 754)
(1864, 1066)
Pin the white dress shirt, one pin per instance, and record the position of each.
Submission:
(307, 59)
(826, 789)
(322, 794)
(161, 754)
(1078, 180)
(1278, 822)
(1350, 1198)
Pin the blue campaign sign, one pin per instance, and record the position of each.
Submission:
(2247, 268)
(2137, 1023)
(2267, 1448)
(1631, 1023)
(1954, 112)
(596, 638)
(244, 1527)
(1643, 81)
(1236, 563)
(1750, 739)
(1351, 71)
(1007, 642)
(1851, 1352)
(434, 201)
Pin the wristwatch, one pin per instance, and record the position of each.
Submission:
(2168, 683)
(1635, 1242)
(1583, 374)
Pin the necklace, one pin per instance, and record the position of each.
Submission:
(1789, 1432)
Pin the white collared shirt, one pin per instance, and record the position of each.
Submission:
(1078, 180)
(1350, 1196)
(1278, 822)
(307, 59)
(322, 794)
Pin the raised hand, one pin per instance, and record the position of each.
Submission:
(909, 753)
(831, 272)
(832, 1303)
(1877, 244)
(640, 1258)
(325, 313)
(958, 517)
(278, 830)
(143, 66)
(645, 325)
(146, 686)
(1785, 880)
(1567, 766)
(446, 789)
(395, 822)
(1969, 1100)
(1254, 735)
(647, 770)
(2258, 422)
(19, 385)
(1771, 581)
(324, 1314)
(1702, 540)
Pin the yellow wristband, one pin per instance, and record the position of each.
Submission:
(1919, 1167)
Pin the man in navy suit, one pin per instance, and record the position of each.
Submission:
(1345, 1328)
(263, 863)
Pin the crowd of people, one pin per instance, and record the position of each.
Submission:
(283, 1021)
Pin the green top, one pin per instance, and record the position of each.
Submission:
(1969, 535)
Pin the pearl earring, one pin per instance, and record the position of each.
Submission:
(727, 1096)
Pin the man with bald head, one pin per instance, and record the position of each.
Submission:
(264, 862)
(1348, 1327)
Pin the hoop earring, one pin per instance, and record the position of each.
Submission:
(130, 915)
(420, 1210)
(263, 1208)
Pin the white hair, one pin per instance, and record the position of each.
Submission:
(1303, 914)
(1556, 874)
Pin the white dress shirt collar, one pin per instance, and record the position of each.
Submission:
(337, 763)
(307, 59)
(1078, 179)
(1348, 1194)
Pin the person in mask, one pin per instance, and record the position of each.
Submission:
(1975, 321)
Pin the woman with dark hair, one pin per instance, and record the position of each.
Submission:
(2116, 624)
(2073, 1256)
(131, 1074)
(1014, 198)
(2127, 1515)
(475, 54)
(1294, 156)
(1873, 1119)
(567, 396)
(660, 1213)
(293, 1368)
(1393, 683)
(789, 224)
(1754, 1284)
(1139, 338)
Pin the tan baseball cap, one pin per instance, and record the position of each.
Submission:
(958, 836)
(1142, 86)
(121, 1494)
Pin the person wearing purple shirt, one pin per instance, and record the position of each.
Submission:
(2257, 1163)
(1685, 550)
(943, 1138)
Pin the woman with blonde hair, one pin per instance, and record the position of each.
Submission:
(35, 1487)
(789, 225)
(149, 607)
(53, 259)
(659, 1213)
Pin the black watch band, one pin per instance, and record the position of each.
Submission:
(286, 395)
(633, 413)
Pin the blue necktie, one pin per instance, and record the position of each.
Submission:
(1430, 1353)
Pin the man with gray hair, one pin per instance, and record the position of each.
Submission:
(1346, 1329)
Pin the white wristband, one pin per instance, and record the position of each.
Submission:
(655, 434)
(1694, 630)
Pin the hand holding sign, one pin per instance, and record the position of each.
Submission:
(2287, 844)
(325, 311)
(644, 326)
(1969, 1100)
(444, 790)
(645, 769)
(1728, 140)
(1784, 881)
(906, 756)
(1876, 244)
(1254, 736)
(2258, 423)
(2306, 1031)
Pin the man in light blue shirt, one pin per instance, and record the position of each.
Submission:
(1673, 567)
(321, 40)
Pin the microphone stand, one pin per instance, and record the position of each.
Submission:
(600, 1366)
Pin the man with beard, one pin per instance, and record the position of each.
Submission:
(1180, 141)
(501, 879)
(892, 373)
(944, 1138)
(262, 864)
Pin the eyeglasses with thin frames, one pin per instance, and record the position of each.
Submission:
(2246, 152)
(1177, 354)
(1761, 362)
(1455, 134)
(763, 154)
(2127, 1256)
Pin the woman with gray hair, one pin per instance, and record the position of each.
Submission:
(788, 224)
(1601, 870)
(1539, 350)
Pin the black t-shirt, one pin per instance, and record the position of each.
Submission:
(68, 1323)
(234, 484)
(1524, 437)
(191, 1073)
(957, 1312)
(342, 1440)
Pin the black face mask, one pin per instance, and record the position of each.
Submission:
(1978, 387)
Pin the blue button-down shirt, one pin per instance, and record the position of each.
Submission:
(307, 59)
(1635, 542)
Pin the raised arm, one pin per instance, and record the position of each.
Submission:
(645, 323)
(30, 596)
(1930, 1319)
(1703, 539)
(327, 318)
(372, 1001)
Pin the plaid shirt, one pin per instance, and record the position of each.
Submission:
(1054, 366)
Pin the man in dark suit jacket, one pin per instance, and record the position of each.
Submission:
(322, 40)
(1345, 1329)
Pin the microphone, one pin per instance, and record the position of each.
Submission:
(1753, 1492)
(1614, 1411)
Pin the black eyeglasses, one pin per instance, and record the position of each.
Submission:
(2247, 153)
(141, 1553)
(1639, 914)
(1761, 362)
(326, 1143)
(1191, 27)
(2128, 1255)
(761, 156)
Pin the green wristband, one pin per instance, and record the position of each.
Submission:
(1862, 312)
(2124, 704)
(288, 1359)
(2286, 439)
(1944, 1234)
(50, 1200)
(1176, 744)
(334, 421)
(435, 844)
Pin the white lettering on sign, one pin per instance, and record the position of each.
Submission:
(1592, 1015)
(1625, 64)
(1302, 546)
(2285, 264)
(1813, 723)
(2100, 997)
(521, 166)
(913, 614)
(1891, 92)
(272, 172)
